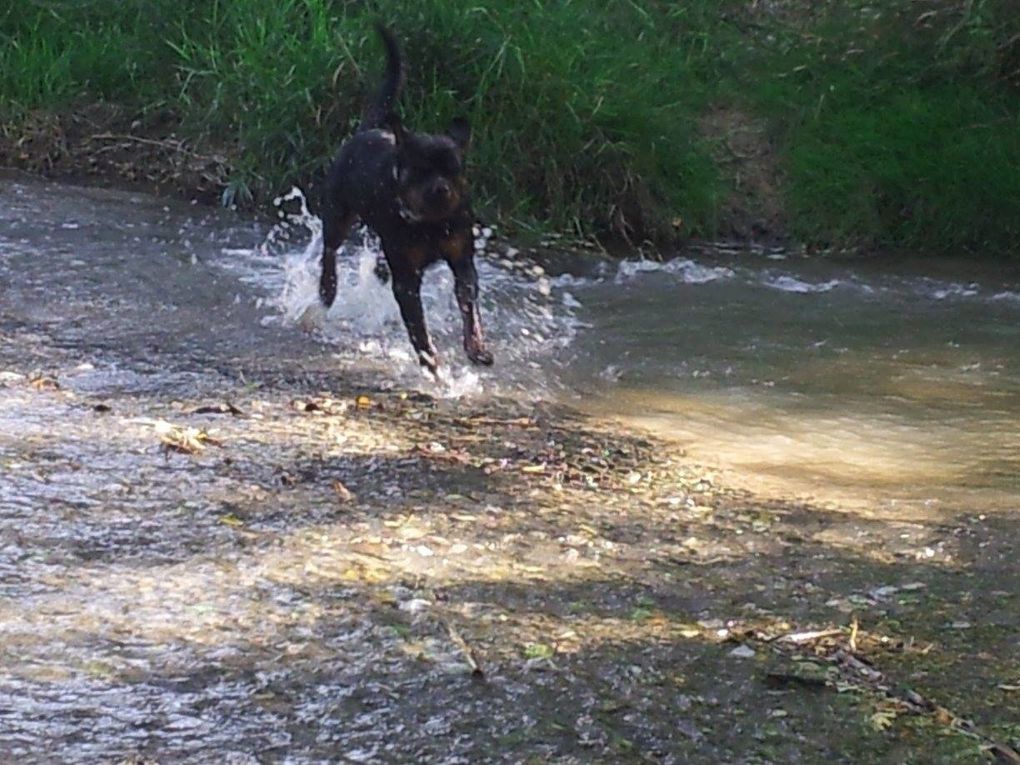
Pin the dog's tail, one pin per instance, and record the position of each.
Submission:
(379, 110)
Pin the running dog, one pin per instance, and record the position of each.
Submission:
(410, 189)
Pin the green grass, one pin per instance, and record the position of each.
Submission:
(900, 133)
(897, 130)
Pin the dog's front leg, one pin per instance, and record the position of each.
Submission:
(466, 288)
(335, 226)
(407, 290)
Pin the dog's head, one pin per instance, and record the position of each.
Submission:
(429, 170)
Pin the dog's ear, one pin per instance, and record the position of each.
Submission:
(392, 123)
(460, 132)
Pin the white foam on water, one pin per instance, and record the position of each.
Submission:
(691, 272)
(688, 271)
(786, 283)
(1007, 296)
(954, 291)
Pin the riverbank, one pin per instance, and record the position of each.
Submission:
(221, 542)
(823, 124)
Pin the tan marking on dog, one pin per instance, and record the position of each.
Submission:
(456, 247)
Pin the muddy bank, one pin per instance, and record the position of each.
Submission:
(220, 543)
(108, 146)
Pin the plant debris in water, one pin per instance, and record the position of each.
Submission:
(602, 598)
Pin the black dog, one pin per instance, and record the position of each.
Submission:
(411, 190)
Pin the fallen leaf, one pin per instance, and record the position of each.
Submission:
(538, 651)
(943, 716)
(185, 440)
(44, 383)
(342, 491)
(883, 719)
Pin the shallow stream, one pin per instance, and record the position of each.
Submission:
(237, 605)
(889, 387)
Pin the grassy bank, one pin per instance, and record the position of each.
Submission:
(891, 130)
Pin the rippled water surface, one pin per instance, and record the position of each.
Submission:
(155, 603)
(861, 383)
(891, 387)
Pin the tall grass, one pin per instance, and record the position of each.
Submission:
(894, 124)
(582, 111)
(900, 125)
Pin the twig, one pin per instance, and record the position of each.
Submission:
(799, 638)
(166, 143)
(860, 674)
(1005, 755)
(224, 408)
(469, 653)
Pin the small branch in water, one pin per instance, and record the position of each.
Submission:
(809, 637)
(468, 651)
(224, 408)
(1005, 755)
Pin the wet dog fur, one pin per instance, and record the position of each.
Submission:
(410, 189)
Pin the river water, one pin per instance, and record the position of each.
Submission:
(196, 608)
(887, 387)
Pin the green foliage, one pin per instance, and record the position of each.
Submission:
(928, 168)
(895, 124)
(582, 112)
(899, 127)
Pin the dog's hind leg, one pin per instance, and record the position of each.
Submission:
(335, 227)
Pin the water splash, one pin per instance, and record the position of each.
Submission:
(686, 271)
(529, 320)
(786, 283)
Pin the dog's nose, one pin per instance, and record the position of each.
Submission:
(441, 189)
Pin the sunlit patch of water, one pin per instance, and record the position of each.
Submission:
(852, 383)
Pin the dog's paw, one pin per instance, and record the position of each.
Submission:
(430, 361)
(327, 291)
(480, 356)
